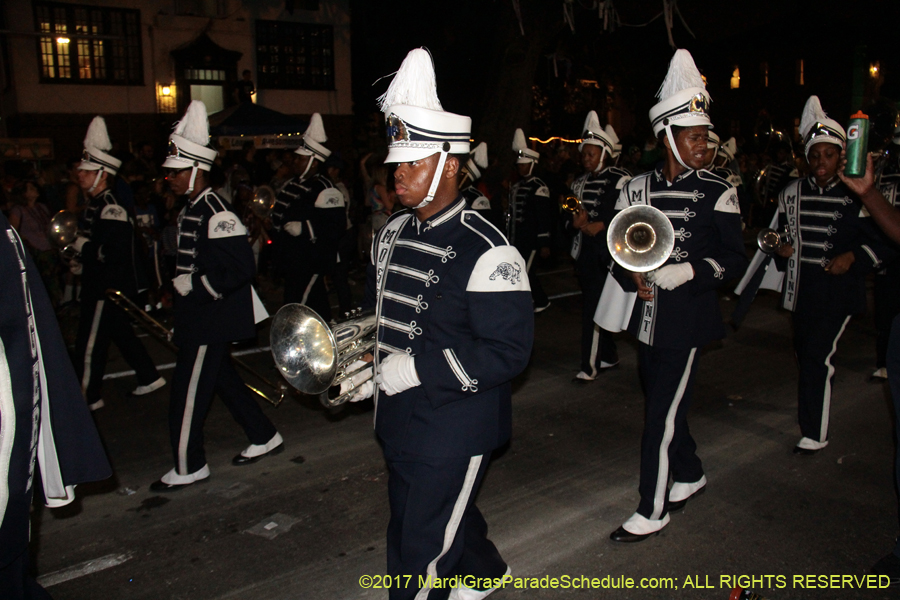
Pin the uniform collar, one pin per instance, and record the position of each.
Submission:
(660, 177)
(201, 195)
(443, 216)
(828, 187)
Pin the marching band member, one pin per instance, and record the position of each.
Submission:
(314, 221)
(471, 172)
(883, 208)
(597, 190)
(455, 326)
(677, 308)
(530, 216)
(832, 248)
(214, 306)
(110, 259)
(45, 429)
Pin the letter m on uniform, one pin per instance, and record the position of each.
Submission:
(636, 197)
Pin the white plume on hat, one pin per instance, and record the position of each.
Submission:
(97, 136)
(316, 130)
(683, 74)
(592, 122)
(829, 130)
(478, 159)
(414, 84)
(194, 125)
(189, 143)
(611, 134)
(417, 124)
(713, 141)
(96, 155)
(480, 155)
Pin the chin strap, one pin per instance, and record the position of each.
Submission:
(600, 163)
(308, 167)
(96, 181)
(675, 148)
(437, 177)
(191, 183)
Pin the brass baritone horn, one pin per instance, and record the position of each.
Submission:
(640, 238)
(572, 204)
(314, 358)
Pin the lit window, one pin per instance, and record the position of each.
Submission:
(735, 78)
(801, 76)
(70, 51)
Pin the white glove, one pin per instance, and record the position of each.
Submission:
(670, 277)
(397, 373)
(79, 243)
(360, 382)
(183, 284)
(294, 228)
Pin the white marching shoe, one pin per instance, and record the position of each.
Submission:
(143, 390)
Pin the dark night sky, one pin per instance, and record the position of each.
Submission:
(465, 36)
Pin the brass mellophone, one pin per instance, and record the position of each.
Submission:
(316, 358)
(640, 238)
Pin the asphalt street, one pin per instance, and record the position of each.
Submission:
(309, 523)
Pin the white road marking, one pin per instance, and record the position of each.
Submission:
(82, 569)
(167, 366)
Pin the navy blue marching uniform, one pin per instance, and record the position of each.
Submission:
(674, 325)
(475, 200)
(314, 222)
(454, 295)
(213, 251)
(886, 292)
(110, 260)
(46, 432)
(823, 223)
(528, 228)
(598, 193)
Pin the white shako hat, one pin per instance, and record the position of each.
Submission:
(525, 154)
(313, 138)
(728, 149)
(592, 133)
(96, 155)
(815, 126)
(683, 100)
(617, 145)
(713, 141)
(478, 159)
(417, 124)
(189, 143)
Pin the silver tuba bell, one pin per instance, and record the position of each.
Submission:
(640, 238)
(314, 358)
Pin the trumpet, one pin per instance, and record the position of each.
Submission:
(315, 358)
(640, 238)
(572, 204)
(164, 335)
(771, 241)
